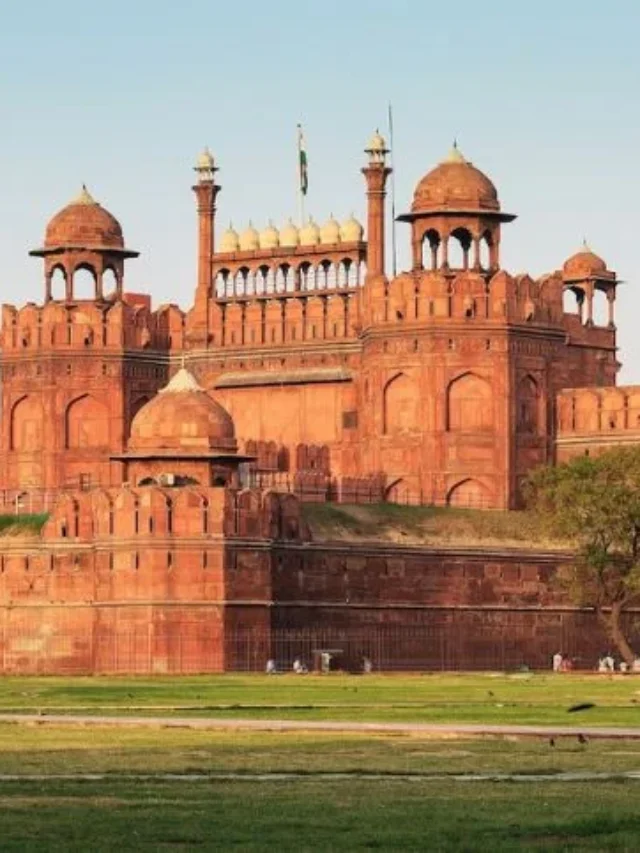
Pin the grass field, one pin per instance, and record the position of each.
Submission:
(527, 698)
(153, 788)
(312, 815)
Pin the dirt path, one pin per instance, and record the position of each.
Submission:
(203, 723)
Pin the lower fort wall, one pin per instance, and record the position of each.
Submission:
(88, 609)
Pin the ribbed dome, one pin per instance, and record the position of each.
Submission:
(377, 143)
(330, 231)
(183, 418)
(584, 264)
(351, 231)
(230, 241)
(249, 239)
(269, 237)
(205, 161)
(309, 234)
(84, 224)
(289, 235)
(455, 184)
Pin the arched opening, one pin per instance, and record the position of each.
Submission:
(281, 278)
(343, 273)
(261, 279)
(528, 406)
(395, 491)
(459, 249)
(572, 300)
(430, 246)
(270, 281)
(109, 284)
(362, 273)
(400, 405)
(470, 494)
(469, 404)
(332, 277)
(84, 283)
(485, 250)
(220, 283)
(27, 425)
(600, 308)
(58, 284)
(86, 423)
(304, 272)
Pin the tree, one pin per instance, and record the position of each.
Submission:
(595, 503)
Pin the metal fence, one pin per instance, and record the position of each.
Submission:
(510, 643)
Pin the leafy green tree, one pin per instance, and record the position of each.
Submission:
(595, 503)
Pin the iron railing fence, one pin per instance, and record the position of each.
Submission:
(200, 647)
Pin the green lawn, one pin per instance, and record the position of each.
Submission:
(77, 749)
(317, 815)
(521, 698)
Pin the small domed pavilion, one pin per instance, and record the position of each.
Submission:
(182, 437)
(84, 236)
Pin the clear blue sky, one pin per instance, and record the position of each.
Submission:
(543, 96)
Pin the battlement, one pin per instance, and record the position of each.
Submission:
(125, 324)
(590, 411)
(151, 512)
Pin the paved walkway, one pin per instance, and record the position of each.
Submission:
(205, 723)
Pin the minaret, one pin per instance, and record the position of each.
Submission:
(376, 174)
(206, 191)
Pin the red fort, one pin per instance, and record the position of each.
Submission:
(172, 448)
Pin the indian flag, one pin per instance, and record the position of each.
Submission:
(302, 162)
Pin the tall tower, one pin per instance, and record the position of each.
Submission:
(76, 369)
(376, 173)
(206, 191)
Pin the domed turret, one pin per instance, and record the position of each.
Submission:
(249, 239)
(455, 184)
(83, 235)
(585, 264)
(351, 231)
(84, 224)
(289, 235)
(330, 231)
(182, 419)
(309, 233)
(230, 241)
(269, 237)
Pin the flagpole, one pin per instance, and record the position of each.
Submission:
(393, 195)
(303, 180)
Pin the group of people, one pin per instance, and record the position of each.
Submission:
(300, 668)
(606, 664)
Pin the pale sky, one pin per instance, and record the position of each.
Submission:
(122, 96)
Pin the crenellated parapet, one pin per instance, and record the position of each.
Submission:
(91, 326)
(159, 517)
(590, 420)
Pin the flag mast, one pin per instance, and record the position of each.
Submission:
(303, 177)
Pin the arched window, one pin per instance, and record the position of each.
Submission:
(469, 404)
(84, 283)
(430, 245)
(485, 250)
(109, 284)
(58, 284)
(459, 249)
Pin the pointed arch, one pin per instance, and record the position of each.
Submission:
(86, 423)
(469, 493)
(27, 424)
(528, 403)
(469, 404)
(400, 405)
